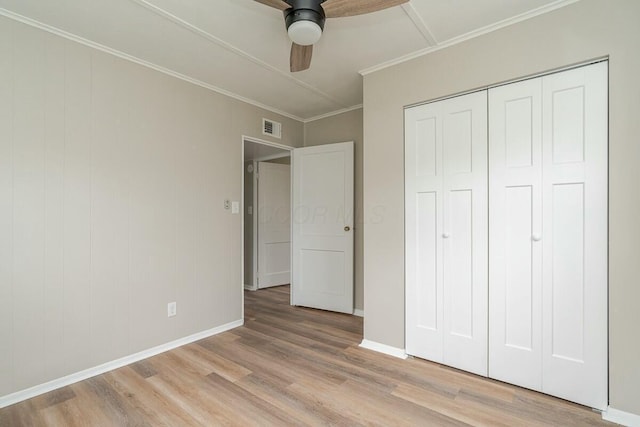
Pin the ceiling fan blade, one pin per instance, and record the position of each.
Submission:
(342, 8)
(300, 59)
(278, 4)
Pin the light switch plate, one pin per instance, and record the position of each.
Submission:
(235, 207)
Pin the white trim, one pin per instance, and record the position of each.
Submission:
(250, 287)
(421, 26)
(333, 113)
(264, 142)
(508, 82)
(358, 312)
(254, 227)
(621, 417)
(383, 348)
(21, 395)
(470, 35)
(69, 36)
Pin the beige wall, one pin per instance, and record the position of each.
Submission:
(576, 33)
(341, 128)
(112, 181)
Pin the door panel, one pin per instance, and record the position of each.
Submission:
(458, 273)
(323, 227)
(274, 224)
(567, 275)
(515, 257)
(424, 224)
(575, 235)
(518, 268)
(465, 288)
(446, 223)
(427, 253)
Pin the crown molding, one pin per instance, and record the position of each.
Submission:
(470, 35)
(333, 113)
(72, 37)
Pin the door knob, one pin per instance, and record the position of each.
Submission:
(347, 228)
(536, 237)
(446, 235)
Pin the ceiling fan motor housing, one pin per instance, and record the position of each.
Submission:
(304, 10)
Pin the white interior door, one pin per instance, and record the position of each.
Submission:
(515, 224)
(274, 224)
(424, 228)
(574, 235)
(322, 206)
(465, 232)
(446, 231)
(548, 242)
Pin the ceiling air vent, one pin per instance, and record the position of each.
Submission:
(271, 128)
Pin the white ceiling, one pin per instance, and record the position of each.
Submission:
(241, 48)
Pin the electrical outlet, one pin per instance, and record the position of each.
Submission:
(172, 309)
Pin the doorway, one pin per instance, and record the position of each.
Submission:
(266, 214)
(311, 248)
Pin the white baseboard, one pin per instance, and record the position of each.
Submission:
(34, 391)
(358, 312)
(621, 417)
(383, 348)
(250, 288)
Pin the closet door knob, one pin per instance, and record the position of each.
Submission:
(446, 235)
(536, 237)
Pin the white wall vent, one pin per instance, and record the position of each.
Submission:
(271, 128)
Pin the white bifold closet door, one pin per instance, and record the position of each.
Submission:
(548, 234)
(446, 231)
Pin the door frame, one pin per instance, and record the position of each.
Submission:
(254, 140)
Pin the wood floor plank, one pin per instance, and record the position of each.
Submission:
(291, 366)
(221, 366)
(308, 411)
(475, 415)
(141, 394)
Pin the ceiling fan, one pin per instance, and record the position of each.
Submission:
(305, 19)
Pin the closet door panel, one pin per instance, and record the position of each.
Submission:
(423, 199)
(464, 141)
(459, 264)
(515, 254)
(427, 253)
(575, 235)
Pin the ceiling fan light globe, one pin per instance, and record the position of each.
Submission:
(304, 33)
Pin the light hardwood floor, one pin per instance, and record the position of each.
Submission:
(290, 366)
